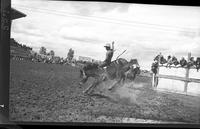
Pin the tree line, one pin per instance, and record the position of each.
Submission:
(43, 51)
(69, 57)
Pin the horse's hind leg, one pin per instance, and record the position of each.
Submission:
(114, 85)
(83, 80)
(91, 87)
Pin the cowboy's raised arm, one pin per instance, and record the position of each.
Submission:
(113, 45)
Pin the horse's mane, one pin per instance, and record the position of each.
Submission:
(119, 60)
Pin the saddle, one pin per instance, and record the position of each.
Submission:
(115, 66)
(111, 69)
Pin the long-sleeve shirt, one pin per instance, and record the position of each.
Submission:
(109, 55)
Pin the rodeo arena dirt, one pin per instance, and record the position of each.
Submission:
(48, 88)
(51, 93)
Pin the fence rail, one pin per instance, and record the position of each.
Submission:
(192, 67)
(178, 78)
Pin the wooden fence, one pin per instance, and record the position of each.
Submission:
(186, 79)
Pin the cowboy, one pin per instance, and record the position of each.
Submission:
(106, 62)
(109, 55)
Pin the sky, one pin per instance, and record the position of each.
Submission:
(143, 30)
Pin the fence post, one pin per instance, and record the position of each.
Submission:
(187, 74)
(153, 80)
(159, 62)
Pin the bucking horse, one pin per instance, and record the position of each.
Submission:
(119, 70)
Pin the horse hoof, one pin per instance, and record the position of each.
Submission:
(85, 92)
(80, 83)
(110, 89)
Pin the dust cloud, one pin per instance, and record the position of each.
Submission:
(125, 94)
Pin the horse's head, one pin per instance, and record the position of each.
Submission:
(134, 62)
(137, 70)
(131, 73)
(134, 65)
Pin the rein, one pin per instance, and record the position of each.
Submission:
(121, 54)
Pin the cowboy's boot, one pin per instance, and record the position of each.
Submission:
(83, 80)
(84, 75)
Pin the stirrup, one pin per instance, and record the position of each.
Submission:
(84, 74)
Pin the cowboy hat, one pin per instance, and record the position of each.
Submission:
(107, 45)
